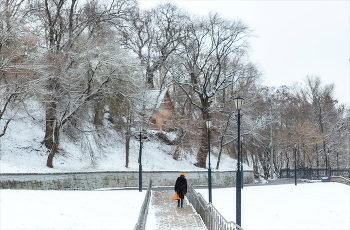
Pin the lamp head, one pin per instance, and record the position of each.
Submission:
(238, 102)
(208, 123)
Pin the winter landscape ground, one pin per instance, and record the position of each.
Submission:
(21, 150)
(73, 79)
(306, 206)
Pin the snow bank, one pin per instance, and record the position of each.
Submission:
(305, 206)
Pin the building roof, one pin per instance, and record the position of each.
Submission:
(153, 98)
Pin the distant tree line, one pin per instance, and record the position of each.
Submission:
(88, 60)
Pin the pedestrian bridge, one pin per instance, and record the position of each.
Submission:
(163, 213)
(159, 211)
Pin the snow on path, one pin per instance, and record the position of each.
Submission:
(163, 213)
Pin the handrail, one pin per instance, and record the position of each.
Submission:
(314, 173)
(141, 223)
(209, 214)
(340, 179)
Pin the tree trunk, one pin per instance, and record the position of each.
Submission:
(222, 144)
(98, 116)
(203, 149)
(50, 122)
(255, 164)
(271, 152)
(219, 158)
(181, 136)
(127, 148)
(49, 162)
(150, 79)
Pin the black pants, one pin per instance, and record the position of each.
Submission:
(180, 201)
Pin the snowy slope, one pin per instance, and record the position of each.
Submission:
(21, 150)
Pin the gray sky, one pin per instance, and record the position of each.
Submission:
(293, 38)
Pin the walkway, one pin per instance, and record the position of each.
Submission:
(164, 214)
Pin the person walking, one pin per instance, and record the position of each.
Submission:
(181, 189)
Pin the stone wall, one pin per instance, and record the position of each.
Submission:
(111, 179)
(340, 179)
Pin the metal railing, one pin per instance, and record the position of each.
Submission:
(141, 223)
(211, 217)
(340, 179)
(314, 173)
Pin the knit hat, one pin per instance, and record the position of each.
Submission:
(182, 174)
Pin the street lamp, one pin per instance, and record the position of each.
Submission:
(208, 123)
(140, 162)
(238, 101)
(295, 163)
(242, 181)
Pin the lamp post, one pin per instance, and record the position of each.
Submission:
(140, 162)
(208, 123)
(242, 171)
(238, 101)
(295, 164)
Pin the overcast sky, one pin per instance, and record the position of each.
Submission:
(293, 38)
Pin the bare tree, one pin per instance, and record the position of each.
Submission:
(14, 51)
(211, 61)
(71, 74)
(323, 112)
(9, 105)
(153, 35)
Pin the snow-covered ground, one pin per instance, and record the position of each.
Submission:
(313, 206)
(44, 210)
(21, 150)
(305, 206)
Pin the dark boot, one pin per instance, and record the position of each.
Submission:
(182, 203)
(178, 203)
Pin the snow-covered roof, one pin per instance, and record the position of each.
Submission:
(153, 98)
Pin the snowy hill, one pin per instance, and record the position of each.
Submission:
(21, 150)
